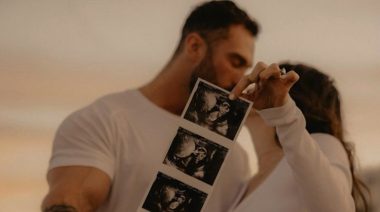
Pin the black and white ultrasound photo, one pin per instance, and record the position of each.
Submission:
(211, 108)
(196, 156)
(170, 195)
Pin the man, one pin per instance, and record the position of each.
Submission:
(106, 155)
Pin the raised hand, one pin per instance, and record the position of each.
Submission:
(271, 88)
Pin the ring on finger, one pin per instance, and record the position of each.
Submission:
(283, 71)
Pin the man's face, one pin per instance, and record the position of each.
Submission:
(228, 59)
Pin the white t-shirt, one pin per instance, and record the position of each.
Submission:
(313, 176)
(127, 136)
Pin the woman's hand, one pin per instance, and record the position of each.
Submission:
(271, 87)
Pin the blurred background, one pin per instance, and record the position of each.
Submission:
(58, 56)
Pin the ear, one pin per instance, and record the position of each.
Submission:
(195, 47)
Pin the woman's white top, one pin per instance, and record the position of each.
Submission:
(313, 175)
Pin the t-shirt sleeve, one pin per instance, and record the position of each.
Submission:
(85, 138)
(319, 162)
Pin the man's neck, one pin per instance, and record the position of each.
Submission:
(169, 89)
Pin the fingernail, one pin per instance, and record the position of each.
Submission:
(232, 96)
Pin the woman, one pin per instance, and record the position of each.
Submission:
(304, 162)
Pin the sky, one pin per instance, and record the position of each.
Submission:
(58, 56)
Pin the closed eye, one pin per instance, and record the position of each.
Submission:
(238, 61)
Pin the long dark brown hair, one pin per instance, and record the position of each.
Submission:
(319, 100)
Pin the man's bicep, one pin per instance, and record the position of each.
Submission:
(76, 188)
(60, 208)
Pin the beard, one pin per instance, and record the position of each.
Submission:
(205, 70)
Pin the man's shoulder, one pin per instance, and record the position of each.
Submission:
(105, 106)
(117, 100)
(240, 152)
(239, 160)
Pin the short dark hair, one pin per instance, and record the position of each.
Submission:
(211, 20)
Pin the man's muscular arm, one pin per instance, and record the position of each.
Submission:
(60, 208)
(76, 189)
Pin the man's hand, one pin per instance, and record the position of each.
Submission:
(271, 88)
